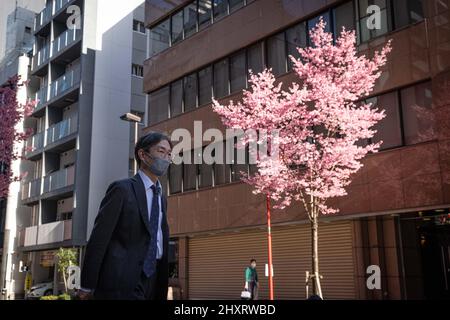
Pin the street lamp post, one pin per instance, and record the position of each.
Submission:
(130, 117)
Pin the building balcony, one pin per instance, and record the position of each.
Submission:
(31, 190)
(60, 4)
(41, 98)
(41, 58)
(64, 83)
(59, 180)
(64, 40)
(34, 145)
(42, 18)
(48, 233)
(61, 130)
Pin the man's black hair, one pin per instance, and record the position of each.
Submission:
(253, 260)
(147, 141)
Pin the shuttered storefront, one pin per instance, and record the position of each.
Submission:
(216, 263)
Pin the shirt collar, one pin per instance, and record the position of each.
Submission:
(148, 183)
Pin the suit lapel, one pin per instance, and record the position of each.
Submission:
(141, 198)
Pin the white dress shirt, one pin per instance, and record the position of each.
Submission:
(148, 183)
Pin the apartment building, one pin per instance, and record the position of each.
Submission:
(396, 214)
(87, 71)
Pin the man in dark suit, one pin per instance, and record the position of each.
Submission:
(126, 257)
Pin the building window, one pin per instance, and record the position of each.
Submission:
(190, 173)
(296, 38)
(343, 16)
(236, 4)
(205, 86)
(204, 13)
(176, 98)
(206, 175)
(137, 70)
(276, 54)
(221, 170)
(238, 72)
(190, 19)
(138, 26)
(239, 165)
(407, 12)
(314, 21)
(255, 61)
(220, 9)
(160, 37)
(158, 105)
(366, 34)
(388, 129)
(221, 86)
(175, 178)
(173, 259)
(418, 116)
(177, 27)
(190, 92)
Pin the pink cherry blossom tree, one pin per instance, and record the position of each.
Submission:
(320, 124)
(11, 114)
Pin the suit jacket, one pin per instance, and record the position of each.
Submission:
(115, 252)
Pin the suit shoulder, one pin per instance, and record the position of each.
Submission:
(122, 184)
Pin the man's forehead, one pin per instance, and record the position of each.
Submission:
(163, 144)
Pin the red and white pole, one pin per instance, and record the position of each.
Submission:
(269, 236)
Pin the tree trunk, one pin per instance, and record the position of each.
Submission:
(317, 290)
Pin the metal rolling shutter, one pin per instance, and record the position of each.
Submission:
(217, 262)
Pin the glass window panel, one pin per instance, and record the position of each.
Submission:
(240, 164)
(176, 98)
(220, 9)
(190, 92)
(160, 37)
(237, 72)
(343, 16)
(236, 4)
(177, 27)
(296, 38)
(204, 13)
(389, 129)
(206, 175)
(255, 58)
(418, 116)
(407, 12)
(159, 105)
(190, 174)
(222, 170)
(276, 54)
(205, 86)
(221, 87)
(190, 19)
(367, 34)
(175, 178)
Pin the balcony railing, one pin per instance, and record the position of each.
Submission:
(41, 97)
(59, 4)
(48, 233)
(41, 57)
(43, 17)
(31, 236)
(34, 143)
(59, 179)
(65, 39)
(61, 130)
(65, 82)
(31, 189)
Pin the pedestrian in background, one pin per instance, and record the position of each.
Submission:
(251, 280)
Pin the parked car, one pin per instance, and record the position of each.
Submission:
(39, 290)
